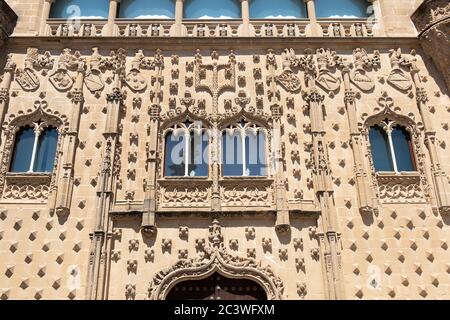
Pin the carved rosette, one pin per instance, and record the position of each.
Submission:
(117, 96)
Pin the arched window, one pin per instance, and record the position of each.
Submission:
(34, 149)
(147, 9)
(207, 9)
(186, 151)
(392, 148)
(279, 9)
(244, 150)
(342, 8)
(82, 9)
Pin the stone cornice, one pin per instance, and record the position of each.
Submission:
(206, 43)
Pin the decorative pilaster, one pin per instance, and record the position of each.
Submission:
(65, 179)
(366, 196)
(9, 69)
(148, 225)
(315, 28)
(440, 180)
(323, 186)
(110, 27)
(244, 29)
(98, 253)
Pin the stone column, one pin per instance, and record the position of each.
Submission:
(178, 28)
(45, 15)
(315, 28)
(366, 196)
(377, 18)
(109, 29)
(9, 69)
(245, 13)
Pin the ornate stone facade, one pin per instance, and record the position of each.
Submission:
(322, 224)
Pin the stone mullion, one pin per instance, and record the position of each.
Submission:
(65, 184)
(366, 196)
(9, 69)
(441, 183)
(324, 192)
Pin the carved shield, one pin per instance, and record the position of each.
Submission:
(27, 79)
(289, 81)
(327, 81)
(399, 80)
(361, 80)
(61, 80)
(135, 80)
(93, 81)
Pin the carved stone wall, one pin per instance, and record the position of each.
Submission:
(107, 223)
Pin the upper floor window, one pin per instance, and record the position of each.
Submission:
(207, 9)
(342, 8)
(34, 149)
(392, 148)
(279, 9)
(186, 151)
(147, 9)
(81, 9)
(244, 150)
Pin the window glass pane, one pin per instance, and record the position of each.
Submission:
(23, 150)
(175, 153)
(85, 9)
(147, 9)
(232, 155)
(255, 150)
(198, 155)
(46, 151)
(207, 9)
(280, 9)
(403, 149)
(380, 149)
(343, 8)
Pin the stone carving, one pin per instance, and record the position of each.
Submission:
(61, 79)
(301, 289)
(358, 76)
(327, 59)
(93, 79)
(246, 196)
(288, 79)
(394, 189)
(134, 79)
(191, 196)
(398, 78)
(215, 258)
(183, 232)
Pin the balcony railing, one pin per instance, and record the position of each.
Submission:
(210, 28)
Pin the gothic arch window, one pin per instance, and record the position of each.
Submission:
(207, 9)
(392, 148)
(342, 8)
(280, 9)
(186, 150)
(147, 9)
(82, 9)
(34, 149)
(244, 151)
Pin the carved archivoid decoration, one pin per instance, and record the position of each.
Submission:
(215, 258)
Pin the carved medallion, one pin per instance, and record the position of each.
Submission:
(399, 80)
(135, 80)
(327, 81)
(93, 81)
(361, 80)
(61, 80)
(289, 81)
(27, 79)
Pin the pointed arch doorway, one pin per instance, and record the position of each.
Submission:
(217, 287)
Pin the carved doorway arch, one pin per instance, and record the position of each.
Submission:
(217, 287)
